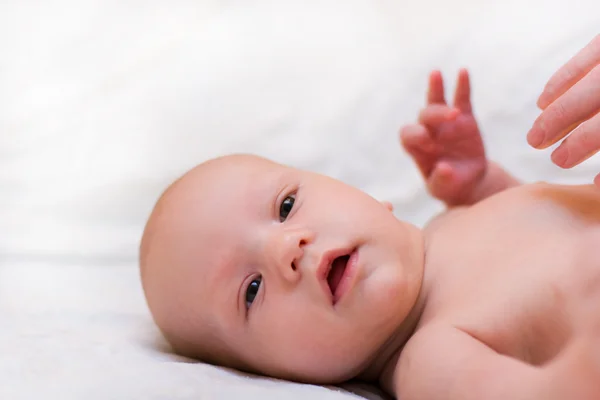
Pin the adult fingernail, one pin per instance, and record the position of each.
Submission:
(540, 103)
(535, 137)
(560, 156)
(545, 98)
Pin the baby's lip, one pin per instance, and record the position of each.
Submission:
(325, 267)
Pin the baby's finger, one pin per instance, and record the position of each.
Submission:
(462, 95)
(435, 115)
(435, 93)
(418, 143)
(416, 135)
(570, 73)
(581, 144)
(579, 103)
(440, 180)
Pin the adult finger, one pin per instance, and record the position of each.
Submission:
(435, 92)
(434, 115)
(579, 103)
(462, 95)
(580, 145)
(570, 73)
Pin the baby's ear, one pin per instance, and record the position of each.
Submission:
(388, 205)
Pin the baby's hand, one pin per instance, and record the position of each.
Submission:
(446, 144)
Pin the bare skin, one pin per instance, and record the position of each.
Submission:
(510, 283)
(510, 303)
(570, 107)
(497, 298)
(236, 261)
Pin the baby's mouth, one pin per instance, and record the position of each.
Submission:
(336, 272)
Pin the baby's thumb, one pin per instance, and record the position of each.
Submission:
(441, 181)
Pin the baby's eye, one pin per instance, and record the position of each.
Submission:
(252, 290)
(286, 207)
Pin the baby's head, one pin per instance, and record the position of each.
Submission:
(257, 266)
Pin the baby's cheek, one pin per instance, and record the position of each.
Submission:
(297, 328)
(313, 345)
(387, 296)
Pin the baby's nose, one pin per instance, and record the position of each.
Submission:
(287, 251)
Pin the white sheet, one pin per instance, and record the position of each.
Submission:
(82, 332)
(103, 103)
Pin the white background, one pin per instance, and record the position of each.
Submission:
(104, 103)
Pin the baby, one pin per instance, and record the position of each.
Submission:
(258, 266)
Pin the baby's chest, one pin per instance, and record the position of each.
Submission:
(522, 286)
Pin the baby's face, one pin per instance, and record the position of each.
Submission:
(281, 271)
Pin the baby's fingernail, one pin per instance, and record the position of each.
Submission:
(535, 137)
(560, 156)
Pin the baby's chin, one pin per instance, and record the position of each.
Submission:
(365, 347)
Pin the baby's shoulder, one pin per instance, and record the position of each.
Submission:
(527, 207)
(579, 201)
(554, 191)
(444, 217)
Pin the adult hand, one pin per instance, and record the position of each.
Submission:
(571, 106)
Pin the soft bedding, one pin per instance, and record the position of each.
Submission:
(102, 104)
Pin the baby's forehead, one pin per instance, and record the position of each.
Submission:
(217, 205)
(241, 164)
(217, 182)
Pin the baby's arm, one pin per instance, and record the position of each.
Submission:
(447, 147)
(496, 179)
(445, 363)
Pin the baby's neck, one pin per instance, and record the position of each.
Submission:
(381, 369)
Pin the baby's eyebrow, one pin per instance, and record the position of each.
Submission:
(226, 278)
(234, 277)
(238, 302)
(278, 186)
(226, 290)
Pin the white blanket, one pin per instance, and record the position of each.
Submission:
(103, 103)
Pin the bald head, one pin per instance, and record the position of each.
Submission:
(231, 268)
(180, 243)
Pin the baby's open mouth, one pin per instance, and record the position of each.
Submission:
(336, 272)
